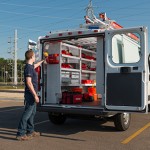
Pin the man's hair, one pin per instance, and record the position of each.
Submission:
(29, 54)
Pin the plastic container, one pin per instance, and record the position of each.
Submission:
(95, 97)
(92, 90)
(87, 82)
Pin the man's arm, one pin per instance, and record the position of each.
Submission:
(38, 64)
(31, 88)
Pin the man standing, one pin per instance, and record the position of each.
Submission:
(26, 125)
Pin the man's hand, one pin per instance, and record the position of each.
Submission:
(36, 99)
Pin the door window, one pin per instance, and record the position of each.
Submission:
(126, 48)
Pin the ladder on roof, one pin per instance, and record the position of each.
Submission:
(102, 21)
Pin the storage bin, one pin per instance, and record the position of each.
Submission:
(74, 81)
(65, 74)
(74, 75)
(66, 80)
(92, 90)
(87, 81)
(77, 98)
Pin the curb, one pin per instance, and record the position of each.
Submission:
(13, 90)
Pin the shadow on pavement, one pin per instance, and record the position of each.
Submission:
(10, 116)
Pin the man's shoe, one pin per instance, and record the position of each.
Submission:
(23, 138)
(34, 134)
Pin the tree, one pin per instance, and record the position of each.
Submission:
(7, 71)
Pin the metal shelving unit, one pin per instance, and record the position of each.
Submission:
(65, 78)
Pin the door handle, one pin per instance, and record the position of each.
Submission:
(125, 70)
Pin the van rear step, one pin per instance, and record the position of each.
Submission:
(72, 109)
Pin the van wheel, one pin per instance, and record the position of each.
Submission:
(57, 118)
(122, 121)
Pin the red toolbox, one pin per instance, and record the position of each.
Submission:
(87, 81)
(84, 66)
(52, 59)
(77, 98)
(66, 52)
(92, 69)
(71, 98)
(63, 65)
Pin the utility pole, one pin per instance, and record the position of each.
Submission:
(11, 62)
(15, 58)
(13, 52)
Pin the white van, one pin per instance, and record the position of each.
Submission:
(96, 73)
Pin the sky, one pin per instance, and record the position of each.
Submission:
(34, 18)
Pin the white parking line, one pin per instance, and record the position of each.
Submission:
(11, 109)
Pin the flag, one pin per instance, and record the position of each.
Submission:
(33, 43)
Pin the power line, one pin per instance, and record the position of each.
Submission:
(2, 11)
(33, 5)
(48, 24)
(41, 7)
(37, 30)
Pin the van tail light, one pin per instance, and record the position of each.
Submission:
(38, 70)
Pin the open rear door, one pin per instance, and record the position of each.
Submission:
(126, 70)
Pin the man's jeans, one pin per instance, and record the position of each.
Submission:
(26, 123)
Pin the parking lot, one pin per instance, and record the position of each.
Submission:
(73, 135)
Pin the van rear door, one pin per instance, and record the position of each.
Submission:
(126, 70)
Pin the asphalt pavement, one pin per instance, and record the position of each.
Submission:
(73, 134)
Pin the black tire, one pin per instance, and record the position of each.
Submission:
(57, 119)
(122, 121)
